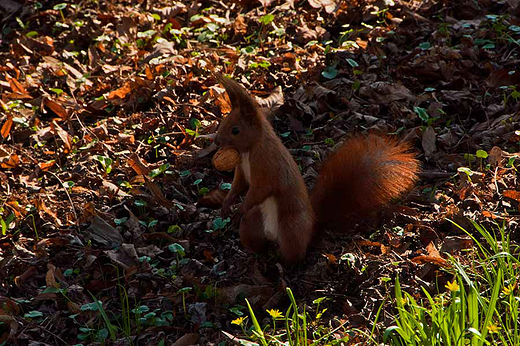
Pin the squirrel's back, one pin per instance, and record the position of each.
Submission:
(361, 177)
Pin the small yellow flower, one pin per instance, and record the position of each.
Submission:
(493, 328)
(453, 286)
(508, 289)
(239, 321)
(275, 313)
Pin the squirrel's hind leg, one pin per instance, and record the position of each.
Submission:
(252, 233)
(294, 237)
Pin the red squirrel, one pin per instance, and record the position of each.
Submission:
(362, 176)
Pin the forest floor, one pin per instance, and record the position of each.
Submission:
(107, 112)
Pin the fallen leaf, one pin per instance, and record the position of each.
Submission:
(137, 165)
(328, 5)
(12, 162)
(64, 135)
(6, 127)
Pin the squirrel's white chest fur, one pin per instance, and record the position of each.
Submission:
(268, 207)
(246, 167)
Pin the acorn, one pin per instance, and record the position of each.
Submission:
(226, 159)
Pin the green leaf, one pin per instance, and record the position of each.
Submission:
(161, 169)
(482, 154)
(174, 229)
(33, 314)
(120, 221)
(422, 113)
(220, 223)
(59, 7)
(185, 173)
(330, 72)
(146, 34)
(56, 90)
(190, 132)
(91, 306)
(176, 248)
(425, 45)
(225, 186)
(329, 141)
(184, 290)
(140, 203)
(267, 19)
(352, 63)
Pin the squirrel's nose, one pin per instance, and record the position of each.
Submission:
(216, 140)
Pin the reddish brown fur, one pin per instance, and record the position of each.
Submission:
(363, 175)
(274, 173)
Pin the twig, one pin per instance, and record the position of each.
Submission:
(70, 199)
(43, 328)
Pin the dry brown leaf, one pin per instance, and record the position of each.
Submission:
(31, 272)
(16, 86)
(441, 262)
(157, 194)
(44, 166)
(40, 205)
(495, 156)
(428, 141)
(187, 340)
(6, 127)
(137, 165)
(56, 108)
(223, 102)
(123, 138)
(331, 259)
(512, 194)
(368, 243)
(12, 162)
(122, 92)
(239, 25)
(328, 5)
(64, 135)
(432, 250)
(50, 278)
(208, 256)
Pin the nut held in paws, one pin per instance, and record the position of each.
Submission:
(225, 159)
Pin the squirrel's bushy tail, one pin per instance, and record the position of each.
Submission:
(361, 177)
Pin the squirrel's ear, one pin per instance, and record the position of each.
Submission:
(239, 97)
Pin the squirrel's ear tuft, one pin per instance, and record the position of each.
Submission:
(239, 97)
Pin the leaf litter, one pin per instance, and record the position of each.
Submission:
(108, 194)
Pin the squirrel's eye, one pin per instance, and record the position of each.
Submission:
(235, 130)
